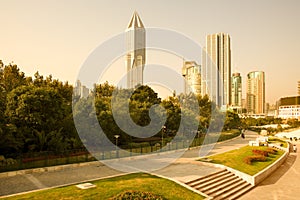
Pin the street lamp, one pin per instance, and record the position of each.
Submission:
(164, 128)
(117, 136)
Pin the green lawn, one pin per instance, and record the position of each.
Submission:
(234, 159)
(108, 188)
(275, 140)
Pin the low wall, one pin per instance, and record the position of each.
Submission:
(259, 177)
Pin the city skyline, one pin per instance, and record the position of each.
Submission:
(262, 39)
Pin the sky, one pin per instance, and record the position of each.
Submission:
(56, 36)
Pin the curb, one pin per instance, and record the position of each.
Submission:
(48, 169)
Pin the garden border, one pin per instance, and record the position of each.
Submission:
(260, 176)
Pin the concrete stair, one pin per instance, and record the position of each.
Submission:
(221, 185)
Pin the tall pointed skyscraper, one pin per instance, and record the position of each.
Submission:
(136, 52)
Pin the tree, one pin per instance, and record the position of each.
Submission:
(232, 121)
(12, 77)
(38, 110)
(173, 109)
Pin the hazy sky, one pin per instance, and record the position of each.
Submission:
(56, 36)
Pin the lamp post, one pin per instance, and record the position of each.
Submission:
(117, 136)
(162, 135)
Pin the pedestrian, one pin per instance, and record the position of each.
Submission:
(243, 135)
(295, 148)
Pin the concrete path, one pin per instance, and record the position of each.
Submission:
(183, 169)
(283, 184)
(186, 168)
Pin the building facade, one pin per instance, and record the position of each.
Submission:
(289, 107)
(136, 52)
(191, 73)
(298, 87)
(81, 90)
(255, 99)
(216, 69)
(236, 89)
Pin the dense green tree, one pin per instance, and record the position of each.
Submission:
(12, 77)
(36, 111)
(232, 121)
(172, 107)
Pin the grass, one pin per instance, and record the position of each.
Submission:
(234, 159)
(275, 140)
(110, 187)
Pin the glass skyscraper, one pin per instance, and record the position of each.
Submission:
(256, 92)
(236, 90)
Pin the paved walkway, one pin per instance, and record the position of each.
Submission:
(186, 168)
(183, 169)
(283, 184)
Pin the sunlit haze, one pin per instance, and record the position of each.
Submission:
(55, 37)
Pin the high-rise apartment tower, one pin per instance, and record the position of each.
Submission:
(236, 89)
(299, 88)
(256, 92)
(216, 69)
(191, 73)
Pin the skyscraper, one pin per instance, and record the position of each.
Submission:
(191, 73)
(236, 90)
(136, 53)
(216, 69)
(256, 92)
(299, 88)
(81, 90)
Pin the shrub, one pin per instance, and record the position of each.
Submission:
(137, 195)
(260, 152)
(139, 145)
(249, 159)
(7, 162)
(271, 150)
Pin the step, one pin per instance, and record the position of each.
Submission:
(241, 192)
(229, 188)
(227, 183)
(204, 177)
(227, 194)
(213, 181)
(207, 179)
(218, 184)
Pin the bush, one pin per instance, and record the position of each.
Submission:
(7, 162)
(138, 195)
(249, 159)
(271, 150)
(260, 152)
(138, 145)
